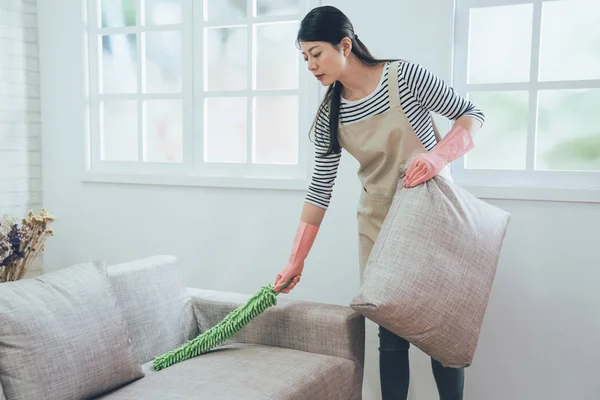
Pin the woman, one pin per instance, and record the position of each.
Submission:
(378, 111)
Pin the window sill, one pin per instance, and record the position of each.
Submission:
(491, 192)
(232, 182)
(524, 193)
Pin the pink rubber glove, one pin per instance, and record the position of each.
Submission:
(427, 165)
(305, 237)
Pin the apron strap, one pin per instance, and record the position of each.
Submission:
(394, 95)
(393, 89)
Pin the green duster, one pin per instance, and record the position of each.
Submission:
(233, 323)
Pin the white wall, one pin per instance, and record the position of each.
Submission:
(541, 335)
(20, 140)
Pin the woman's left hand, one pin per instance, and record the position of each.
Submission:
(423, 167)
(427, 165)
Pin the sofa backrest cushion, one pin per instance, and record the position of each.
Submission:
(158, 310)
(62, 336)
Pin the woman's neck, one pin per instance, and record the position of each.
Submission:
(359, 80)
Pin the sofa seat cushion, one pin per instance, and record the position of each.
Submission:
(249, 372)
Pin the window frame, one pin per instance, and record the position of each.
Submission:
(528, 184)
(193, 171)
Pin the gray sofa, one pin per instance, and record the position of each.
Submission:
(90, 331)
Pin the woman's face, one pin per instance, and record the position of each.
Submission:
(324, 61)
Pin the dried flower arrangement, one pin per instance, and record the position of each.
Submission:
(20, 244)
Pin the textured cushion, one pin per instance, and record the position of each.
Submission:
(328, 329)
(156, 305)
(430, 272)
(2, 394)
(249, 372)
(63, 336)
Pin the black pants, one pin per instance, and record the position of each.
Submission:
(394, 371)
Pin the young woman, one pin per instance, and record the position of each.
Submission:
(379, 111)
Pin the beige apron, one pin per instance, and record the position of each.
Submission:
(381, 144)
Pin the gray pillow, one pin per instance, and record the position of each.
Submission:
(430, 272)
(156, 305)
(62, 336)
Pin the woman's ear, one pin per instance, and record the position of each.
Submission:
(346, 46)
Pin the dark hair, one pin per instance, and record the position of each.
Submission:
(328, 24)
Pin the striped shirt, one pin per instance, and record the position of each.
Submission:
(420, 92)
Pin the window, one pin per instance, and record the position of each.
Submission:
(197, 92)
(533, 67)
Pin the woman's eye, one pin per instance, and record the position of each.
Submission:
(317, 55)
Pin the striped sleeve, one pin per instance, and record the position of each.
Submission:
(326, 166)
(435, 95)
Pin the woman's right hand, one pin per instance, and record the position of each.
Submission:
(289, 272)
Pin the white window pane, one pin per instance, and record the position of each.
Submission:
(119, 131)
(568, 137)
(163, 62)
(570, 40)
(226, 58)
(224, 9)
(502, 142)
(118, 63)
(281, 71)
(225, 130)
(500, 44)
(163, 131)
(163, 12)
(277, 7)
(117, 13)
(276, 130)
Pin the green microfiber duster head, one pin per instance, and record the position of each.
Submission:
(233, 323)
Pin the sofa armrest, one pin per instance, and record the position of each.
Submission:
(307, 326)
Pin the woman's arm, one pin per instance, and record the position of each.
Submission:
(312, 214)
(471, 124)
(326, 165)
(434, 95)
(306, 233)
(314, 208)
